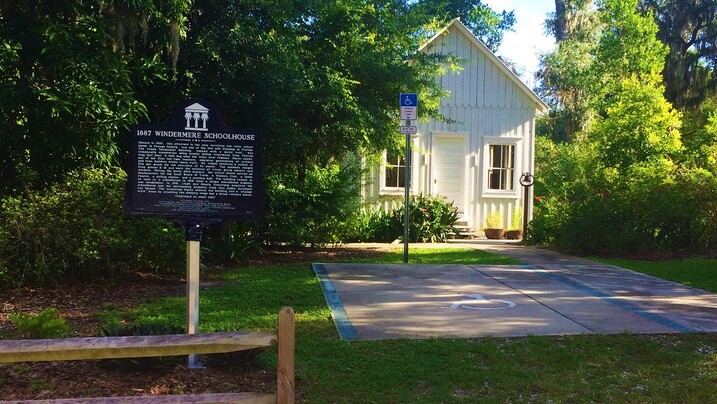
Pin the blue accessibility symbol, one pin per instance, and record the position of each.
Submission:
(408, 100)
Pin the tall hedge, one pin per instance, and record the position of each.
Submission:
(78, 229)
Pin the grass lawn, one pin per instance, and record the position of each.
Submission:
(594, 368)
(430, 255)
(698, 272)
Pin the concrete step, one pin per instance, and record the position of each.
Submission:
(464, 232)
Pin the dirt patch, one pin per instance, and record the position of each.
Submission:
(80, 302)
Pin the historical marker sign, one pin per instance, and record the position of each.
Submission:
(195, 167)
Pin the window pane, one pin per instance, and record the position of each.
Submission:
(394, 172)
(390, 177)
(500, 172)
(507, 156)
(494, 179)
(495, 156)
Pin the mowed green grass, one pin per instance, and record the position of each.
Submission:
(697, 272)
(587, 368)
(432, 255)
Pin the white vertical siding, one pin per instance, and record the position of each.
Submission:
(483, 102)
(480, 73)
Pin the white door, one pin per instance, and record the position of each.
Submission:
(449, 156)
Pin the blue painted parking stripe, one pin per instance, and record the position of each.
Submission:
(346, 330)
(610, 299)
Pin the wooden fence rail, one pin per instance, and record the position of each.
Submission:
(165, 345)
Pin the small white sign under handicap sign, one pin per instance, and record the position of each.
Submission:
(478, 302)
(409, 130)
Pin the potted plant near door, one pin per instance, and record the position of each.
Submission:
(494, 226)
(515, 232)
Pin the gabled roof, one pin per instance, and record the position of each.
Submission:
(458, 25)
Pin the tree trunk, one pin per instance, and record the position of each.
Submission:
(560, 20)
(301, 168)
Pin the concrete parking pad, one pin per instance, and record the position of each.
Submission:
(374, 301)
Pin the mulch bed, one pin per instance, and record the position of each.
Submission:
(79, 303)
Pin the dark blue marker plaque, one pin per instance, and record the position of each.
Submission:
(195, 167)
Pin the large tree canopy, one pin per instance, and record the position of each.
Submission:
(69, 71)
(601, 45)
(319, 77)
(689, 29)
(627, 180)
(485, 23)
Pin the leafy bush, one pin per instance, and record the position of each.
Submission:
(164, 327)
(137, 329)
(78, 229)
(46, 324)
(314, 213)
(231, 241)
(431, 219)
(374, 225)
(116, 329)
(653, 205)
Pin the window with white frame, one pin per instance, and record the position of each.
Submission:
(501, 167)
(394, 172)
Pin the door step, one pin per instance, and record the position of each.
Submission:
(464, 231)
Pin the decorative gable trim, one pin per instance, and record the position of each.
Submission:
(457, 24)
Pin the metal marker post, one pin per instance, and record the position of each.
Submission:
(408, 107)
(526, 180)
(407, 185)
(194, 237)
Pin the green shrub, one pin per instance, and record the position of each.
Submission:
(116, 329)
(315, 212)
(136, 329)
(230, 242)
(165, 327)
(326, 209)
(46, 324)
(78, 229)
(654, 205)
(431, 219)
(374, 225)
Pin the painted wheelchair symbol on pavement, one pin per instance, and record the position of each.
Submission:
(478, 302)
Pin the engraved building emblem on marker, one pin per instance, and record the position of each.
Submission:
(197, 116)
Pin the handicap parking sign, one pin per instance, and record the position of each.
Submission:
(408, 100)
(408, 106)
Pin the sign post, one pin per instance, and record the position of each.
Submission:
(194, 170)
(408, 107)
(194, 238)
(526, 180)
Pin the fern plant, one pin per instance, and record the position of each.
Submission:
(45, 324)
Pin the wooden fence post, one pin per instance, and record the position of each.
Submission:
(285, 367)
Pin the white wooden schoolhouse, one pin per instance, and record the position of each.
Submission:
(476, 160)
